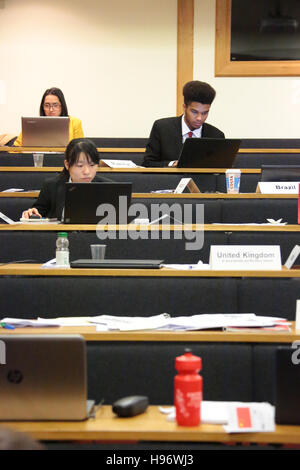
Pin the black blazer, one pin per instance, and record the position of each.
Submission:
(51, 200)
(165, 141)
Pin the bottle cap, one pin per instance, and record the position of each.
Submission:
(188, 361)
(62, 234)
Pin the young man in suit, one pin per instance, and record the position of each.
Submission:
(168, 134)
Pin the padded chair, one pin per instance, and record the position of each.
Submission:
(271, 297)
(258, 210)
(118, 369)
(23, 180)
(77, 296)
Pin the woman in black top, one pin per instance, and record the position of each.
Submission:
(80, 166)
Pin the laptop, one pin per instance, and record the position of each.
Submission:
(45, 131)
(43, 378)
(93, 203)
(117, 263)
(208, 153)
(280, 173)
(287, 385)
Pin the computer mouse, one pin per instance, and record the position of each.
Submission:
(34, 216)
(130, 406)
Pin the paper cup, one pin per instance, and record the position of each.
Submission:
(233, 178)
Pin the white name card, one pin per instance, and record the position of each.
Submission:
(118, 163)
(186, 182)
(280, 187)
(292, 257)
(247, 257)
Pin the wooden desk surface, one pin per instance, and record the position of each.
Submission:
(89, 333)
(13, 150)
(206, 227)
(187, 196)
(149, 426)
(170, 170)
(37, 270)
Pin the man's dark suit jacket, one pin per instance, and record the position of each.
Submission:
(165, 141)
(51, 200)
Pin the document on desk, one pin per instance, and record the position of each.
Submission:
(23, 323)
(187, 267)
(164, 322)
(235, 416)
(110, 323)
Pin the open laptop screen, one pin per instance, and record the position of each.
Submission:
(45, 131)
(91, 203)
(208, 153)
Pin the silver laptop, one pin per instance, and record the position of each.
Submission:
(43, 378)
(45, 131)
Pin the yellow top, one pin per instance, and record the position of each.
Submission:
(75, 131)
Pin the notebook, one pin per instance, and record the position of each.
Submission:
(208, 153)
(287, 385)
(45, 131)
(44, 378)
(117, 263)
(82, 203)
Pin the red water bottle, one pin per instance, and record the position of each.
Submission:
(188, 389)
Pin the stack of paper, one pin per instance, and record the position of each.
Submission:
(235, 416)
(164, 322)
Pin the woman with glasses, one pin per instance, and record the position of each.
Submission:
(54, 104)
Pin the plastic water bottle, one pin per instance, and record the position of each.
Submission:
(62, 250)
(188, 389)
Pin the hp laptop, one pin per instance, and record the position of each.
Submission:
(287, 385)
(208, 153)
(93, 203)
(45, 131)
(43, 377)
(280, 173)
(117, 263)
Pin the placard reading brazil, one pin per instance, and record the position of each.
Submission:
(250, 257)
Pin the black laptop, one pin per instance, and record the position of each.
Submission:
(117, 263)
(208, 153)
(287, 385)
(93, 203)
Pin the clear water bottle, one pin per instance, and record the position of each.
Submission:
(62, 249)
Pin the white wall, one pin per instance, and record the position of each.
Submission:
(244, 106)
(115, 61)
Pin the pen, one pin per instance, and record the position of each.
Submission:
(7, 326)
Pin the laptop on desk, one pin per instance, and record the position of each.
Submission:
(117, 263)
(43, 378)
(93, 203)
(208, 153)
(45, 131)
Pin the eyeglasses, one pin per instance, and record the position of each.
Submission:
(53, 105)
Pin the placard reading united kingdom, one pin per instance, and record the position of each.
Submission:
(247, 257)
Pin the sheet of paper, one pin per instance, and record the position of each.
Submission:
(250, 417)
(131, 323)
(201, 266)
(235, 416)
(120, 163)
